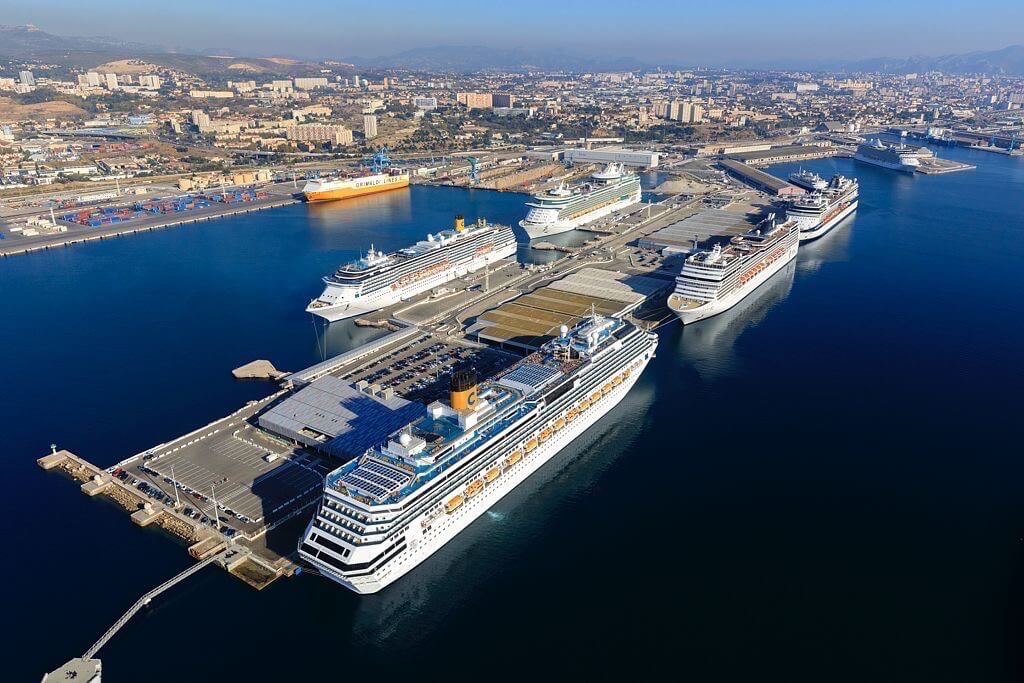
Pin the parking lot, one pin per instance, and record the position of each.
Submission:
(420, 371)
(254, 477)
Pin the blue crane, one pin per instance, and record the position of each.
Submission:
(379, 161)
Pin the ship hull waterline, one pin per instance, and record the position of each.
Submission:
(712, 308)
(476, 506)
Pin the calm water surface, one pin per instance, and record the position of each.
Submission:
(823, 483)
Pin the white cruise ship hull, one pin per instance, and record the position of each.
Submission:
(712, 308)
(448, 526)
(904, 168)
(535, 230)
(350, 308)
(815, 231)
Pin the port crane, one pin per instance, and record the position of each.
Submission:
(380, 161)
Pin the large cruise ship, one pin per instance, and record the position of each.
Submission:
(388, 510)
(564, 208)
(896, 157)
(378, 280)
(819, 212)
(326, 189)
(714, 280)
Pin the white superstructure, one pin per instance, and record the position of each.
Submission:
(808, 180)
(564, 208)
(819, 212)
(379, 280)
(896, 157)
(714, 280)
(388, 510)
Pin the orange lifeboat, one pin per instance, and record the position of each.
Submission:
(530, 445)
(453, 504)
(492, 474)
(474, 488)
(513, 459)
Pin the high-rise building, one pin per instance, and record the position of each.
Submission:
(93, 79)
(110, 80)
(310, 83)
(503, 99)
(475, 100)
(424, 102)
(150, 81)
(200, 119)
(369, 124)
(320, 132)
(355, 81)
(27, 78)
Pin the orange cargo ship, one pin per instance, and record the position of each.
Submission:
(319, 190)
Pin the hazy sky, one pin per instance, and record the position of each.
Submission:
(710, 32)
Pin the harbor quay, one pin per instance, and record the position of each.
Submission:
(238, 491)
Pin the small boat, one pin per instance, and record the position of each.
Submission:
(453, 504)
(474, 488)
(513, 459)
(530, 445)
(559, 423)
(545, 434)
(492, 474)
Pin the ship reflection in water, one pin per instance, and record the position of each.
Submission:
(832, 247)
(708, 345)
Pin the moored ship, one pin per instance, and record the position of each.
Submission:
(385, 512)
(713, 280)
(896, 157)
(565, 208)
(808, 180)
(820, 211)
(328, 189)
(378, 280)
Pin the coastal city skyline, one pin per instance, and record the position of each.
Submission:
(572, 341)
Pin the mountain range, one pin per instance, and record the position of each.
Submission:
(29, 42)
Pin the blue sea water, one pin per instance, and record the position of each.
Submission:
(824, 483)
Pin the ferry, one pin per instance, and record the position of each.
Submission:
(808, 180)
(385, 512)
(820, 211)
(714, 280)
(378, 280)
(565, 208)
(328, 189)
(896, 157)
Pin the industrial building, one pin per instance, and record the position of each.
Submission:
(680, 237)
(759, 180)
(784, 153)
(608, 155)
(338, 418)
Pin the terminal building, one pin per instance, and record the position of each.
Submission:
(608, 155)
(339, 418)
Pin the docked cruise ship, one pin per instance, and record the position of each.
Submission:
(564, 208)
(714, 280)
(896, 157)
(378, 280)
(820, 211)
(326, 189)
(808, 180)
(391, 508)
